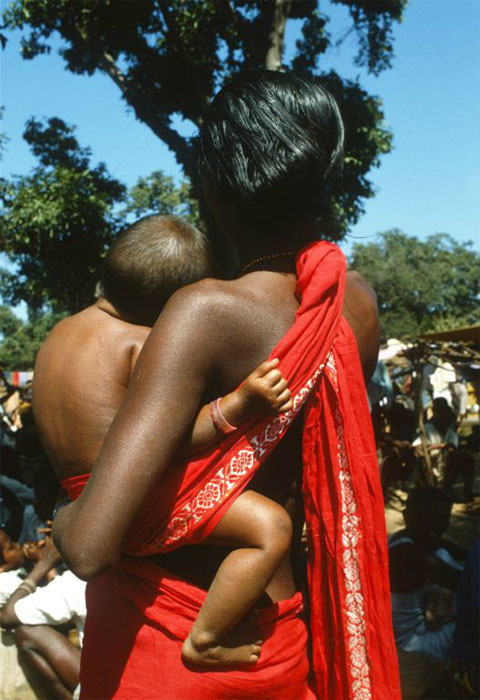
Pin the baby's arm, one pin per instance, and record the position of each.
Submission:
(263, 392)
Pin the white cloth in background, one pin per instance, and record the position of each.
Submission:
(427, 373)
(441, 380)
(60, 601)
(9, 582)
(460, 397)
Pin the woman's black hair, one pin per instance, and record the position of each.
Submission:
(272, 143)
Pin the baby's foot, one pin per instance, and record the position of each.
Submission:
(240, 646)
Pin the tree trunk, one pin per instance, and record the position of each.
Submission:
(430, 477)
(276, 35)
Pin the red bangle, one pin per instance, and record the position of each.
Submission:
(219, 420)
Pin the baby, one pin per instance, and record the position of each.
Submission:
(82, 374)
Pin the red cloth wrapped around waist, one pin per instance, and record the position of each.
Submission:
(141, 614)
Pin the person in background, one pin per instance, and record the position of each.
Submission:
(423, 567)
(465, 651)
(448, 461)
(399, 460)
(33, 611)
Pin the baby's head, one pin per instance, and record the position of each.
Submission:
(149, 261)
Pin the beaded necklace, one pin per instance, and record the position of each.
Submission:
(263, 258)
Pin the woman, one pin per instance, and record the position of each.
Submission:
(269, 147)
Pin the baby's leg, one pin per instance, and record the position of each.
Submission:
(262, 530)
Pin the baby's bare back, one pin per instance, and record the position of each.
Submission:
(81, 377)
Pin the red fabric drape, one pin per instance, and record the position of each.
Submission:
(353, 649)
(138, 617)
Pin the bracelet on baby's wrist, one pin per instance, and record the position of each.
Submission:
(219, 420)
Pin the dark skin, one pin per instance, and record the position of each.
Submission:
(46, 650)
(76, 394)
(232, 327)
(69, 383)
(52, 657)
(48, 558)
(11, 553)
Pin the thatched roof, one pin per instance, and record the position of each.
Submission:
(467, 334)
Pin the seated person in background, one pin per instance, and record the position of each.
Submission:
(18, 559)
(399, 460)
(472, 442)
(418, 558)
(465, 650)
(447, 460)
(11, 553)
(19, 516)
(76, 395)
(30, 611)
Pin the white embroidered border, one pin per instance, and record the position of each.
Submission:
(228, 475)
(354, 603)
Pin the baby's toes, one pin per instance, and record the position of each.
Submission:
(255, 653)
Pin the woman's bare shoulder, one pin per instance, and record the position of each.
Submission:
(360, 300)
(361, 311)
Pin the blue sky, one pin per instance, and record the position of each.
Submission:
(430, 182)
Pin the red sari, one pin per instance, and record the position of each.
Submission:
(352, 642)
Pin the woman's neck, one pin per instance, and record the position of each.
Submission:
(268, 247)
(272, 262)
(271, 252)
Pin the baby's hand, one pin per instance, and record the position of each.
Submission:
(266, 389)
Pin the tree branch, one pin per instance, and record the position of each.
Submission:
(276, 35)
(146, 113)
(240, 28)
(202, 98)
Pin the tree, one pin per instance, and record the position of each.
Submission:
(169, 58)
(19, 341)
(158, 194)
(422, 285)
(57, 222)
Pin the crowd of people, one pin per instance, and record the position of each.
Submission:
(434, 581)
(170, 438)
(451, 440)
(42, 602)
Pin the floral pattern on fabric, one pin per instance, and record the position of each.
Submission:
(354, 602)
(220, 486)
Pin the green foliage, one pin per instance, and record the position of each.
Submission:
(19, 341)
(373, 20)
(3, 137)
(364, 143)
(158, 194)
(422, 285)
(169, 58)
(57, 222)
